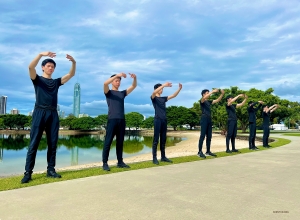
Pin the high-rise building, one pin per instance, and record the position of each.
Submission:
(3, 101)
(14, 111)
(76, 101)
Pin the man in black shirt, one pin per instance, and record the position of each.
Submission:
(116, 117)
(232, 120)
(252, 123)
(266, 123)
(205, 121)
(45, 114)
(160, 120)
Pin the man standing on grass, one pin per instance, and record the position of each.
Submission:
(116, 117)
(252, 123)
(206, 121)
(160, 120)
(266, 123)
(45, 115)
(232, 120)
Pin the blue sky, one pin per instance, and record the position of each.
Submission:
(201, 44)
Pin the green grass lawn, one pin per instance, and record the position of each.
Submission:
(293, 134)
(13, 182)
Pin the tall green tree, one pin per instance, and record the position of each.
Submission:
(84, 123)
(101, 120)
(134, 120)
(148, 122)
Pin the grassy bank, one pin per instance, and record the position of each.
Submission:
(13, 182)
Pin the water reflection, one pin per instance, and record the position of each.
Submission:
(71, 150)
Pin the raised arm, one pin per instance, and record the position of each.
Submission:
(274, 108)
(71, 73)
(35, 61)
(167, 84)
(134, 84)
(220, 97)
(175, 93)
(110, 80)
(244, 101)
(234, 99)
(205, 97)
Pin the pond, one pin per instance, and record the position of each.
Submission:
(71, 150)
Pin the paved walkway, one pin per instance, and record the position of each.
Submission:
(258, 185)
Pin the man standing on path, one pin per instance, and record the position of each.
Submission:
(232, 120)
(206, 121)
(266, 123)
(116, 117)
(45, 114)
(252, 123)
(160, 120)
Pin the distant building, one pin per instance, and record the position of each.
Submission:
(30, 113)
(76, 100)
(3, 101)
(14, 111)
(83, 115)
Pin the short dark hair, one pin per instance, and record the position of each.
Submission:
(157, 86)
(204, 91)
(264, 106)
(114, 75)
(228, 97)
(48, 61)
(250, 102)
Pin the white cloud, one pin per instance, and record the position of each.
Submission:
(223, 54)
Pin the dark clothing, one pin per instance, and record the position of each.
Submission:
(115, 102)
(160, 132)
(46, 92)
(160, 125)
(266, 128)
(232, 126)
(231, 134)
(44, 117)
(115, 124)
(205, 107)
(159, 104)
(252, 111)
(231, 112)
(47, 120)
(252, 123)
(114, 127)
(206, 129)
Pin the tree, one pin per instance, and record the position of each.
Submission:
(173, 116)
(20, 120)
(84, 123)
(9, 121)
(101, 120)
(67, 122)
(134, 119)
(148, 122)
(2, 123)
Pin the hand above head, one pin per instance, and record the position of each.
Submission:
(241, 95)
(132, 75)
(261, 102)
(180, 85)
(122, 75)
(222, 91)
(48, 53)
(70, 58)
(168, 84)
(216, 90)
(245, 96)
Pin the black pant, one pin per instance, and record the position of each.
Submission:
(252, 134)
(114, 127)
(43, 119)
(160, 131)
(231, 133)
(266, 135)
(206, 129)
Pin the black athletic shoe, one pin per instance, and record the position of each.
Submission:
(164, 159)
(200, 154)
(122, 165)
(228, 151)
(251, 148)
(211, 154)
(105, 167)
(256, 148)
(53, 174)
(234, 151)
(26, 178)
(266, 146)
(155, 161)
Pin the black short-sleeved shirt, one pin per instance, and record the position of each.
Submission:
(231, 112)
(252, 111)
(159, 104)
(266, 118)
(46, 92)
(205, 107)
(115, 102)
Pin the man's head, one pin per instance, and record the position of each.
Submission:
(204, 92)
(265, 107)
(117, 81)
(228, 98)
(250, 103)
(48, 66)
(157, 86)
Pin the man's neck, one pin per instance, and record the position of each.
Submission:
(46, 76)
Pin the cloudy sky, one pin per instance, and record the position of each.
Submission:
(201, 44)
